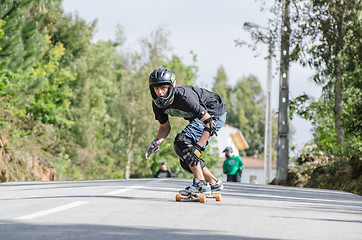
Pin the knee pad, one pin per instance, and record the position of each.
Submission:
(186, 167)
(181, 143)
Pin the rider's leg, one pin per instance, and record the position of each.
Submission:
(198, 172)
(209, 177)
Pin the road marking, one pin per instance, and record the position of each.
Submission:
(305, 199)
(52, 210)
(116, 192)
(172, 189)
(158, 180)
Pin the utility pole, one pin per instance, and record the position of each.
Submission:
(283, 116)
(268, 119)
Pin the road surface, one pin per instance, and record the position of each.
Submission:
(146, 209)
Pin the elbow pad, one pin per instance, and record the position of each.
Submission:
(213, 126)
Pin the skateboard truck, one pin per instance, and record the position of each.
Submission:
(202, 197)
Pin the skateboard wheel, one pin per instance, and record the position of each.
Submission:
(178, 197)
(203, 199)
(218, 197)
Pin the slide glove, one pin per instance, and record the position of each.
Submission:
(193, 154)
(152, 148)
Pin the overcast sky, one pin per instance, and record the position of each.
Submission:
(206, 27)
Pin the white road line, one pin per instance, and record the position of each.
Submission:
(72, 205)
(52, 210)
(116, 192)
(158, 180)
(306, 199)
(172, 189)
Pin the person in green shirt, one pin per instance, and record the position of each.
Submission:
(233, 166)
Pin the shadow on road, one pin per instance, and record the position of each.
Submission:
(19, 230)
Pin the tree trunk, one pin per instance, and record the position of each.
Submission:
(338, 103)
(339, 14)
(129, 150)
(128, 166)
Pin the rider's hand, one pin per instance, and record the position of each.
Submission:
(152, 148)
(193, 153)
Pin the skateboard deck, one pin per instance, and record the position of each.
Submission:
(186, 196)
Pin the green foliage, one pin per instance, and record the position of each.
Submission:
(84, 107)
(76, 35)
(324, 163)
(320, 32)
(327, 38)
(51, 101)
(94, 96)
(43, 94)
(2, 22)
(336, 57)
(185, 75)
(352, 63)
(23, 42)
(246, 109)
(221, 86)
(338, 169)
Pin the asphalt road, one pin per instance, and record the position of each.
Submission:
(146, 209)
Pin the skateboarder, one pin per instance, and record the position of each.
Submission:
(233, 166)
(206, 114)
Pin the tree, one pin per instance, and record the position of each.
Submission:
(250, 109)
(84, 105)
(326, 24)
(352, 65)
(246, 105)
(23, 42)
(221, 87)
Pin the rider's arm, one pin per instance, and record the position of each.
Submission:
(163, 131)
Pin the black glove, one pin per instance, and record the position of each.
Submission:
(240, 171)
(192, 154)
(152, 148)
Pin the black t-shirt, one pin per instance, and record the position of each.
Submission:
(190, 103)
(163, 174)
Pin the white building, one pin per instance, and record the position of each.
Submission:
(229, 136)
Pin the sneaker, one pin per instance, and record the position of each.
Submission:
(218, 186)
(188, 189)
(194, 185)
(202, 187)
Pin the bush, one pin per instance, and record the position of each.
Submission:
(341, 171)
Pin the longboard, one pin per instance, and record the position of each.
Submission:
(196, 196)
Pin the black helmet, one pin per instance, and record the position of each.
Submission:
(228, 150)
(162, 76)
